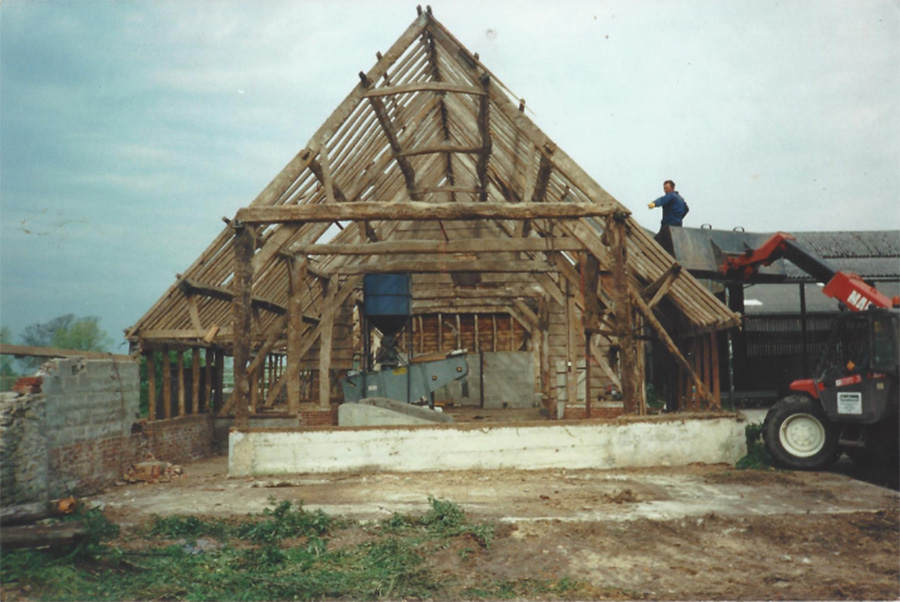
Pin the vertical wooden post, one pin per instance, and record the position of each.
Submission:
(219, 377)
(179, 357)
(590, 280)
(616, 235)
(512, 333)
(477, 345)
(167, 383)
(242, 316)
(421, 335)
(151, 384)
(715, 384)
(494, 332)
(544, 322)
(295, 329)
(325, 343)
(572, 347)
(195, 380)
(458, 333)
(440, 332)
(207, 389)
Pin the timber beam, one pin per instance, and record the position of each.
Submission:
(417, 211)
(387, 126)
(475, 245)
(425, 266)
(191, 287)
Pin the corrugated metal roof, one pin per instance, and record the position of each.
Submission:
(762, 299)
(834, 245)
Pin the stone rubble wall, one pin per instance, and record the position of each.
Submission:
(76, 429)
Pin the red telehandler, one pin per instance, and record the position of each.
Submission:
(851, 405)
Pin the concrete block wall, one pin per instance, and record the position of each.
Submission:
(82, 431)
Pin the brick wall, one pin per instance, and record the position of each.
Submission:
(314, 415)
(78, 430)
(599, 409)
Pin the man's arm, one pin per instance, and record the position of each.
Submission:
(661, 201)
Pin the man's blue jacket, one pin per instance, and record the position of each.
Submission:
(674, 208)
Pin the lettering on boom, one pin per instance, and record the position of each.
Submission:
(858, 301)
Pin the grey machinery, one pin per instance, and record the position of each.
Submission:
(387, 306)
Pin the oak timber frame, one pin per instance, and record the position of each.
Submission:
(430, 167)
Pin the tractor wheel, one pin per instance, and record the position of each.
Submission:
(798, 435)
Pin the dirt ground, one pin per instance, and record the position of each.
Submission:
(699, 532)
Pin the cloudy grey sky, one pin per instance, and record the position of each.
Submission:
(128, 128)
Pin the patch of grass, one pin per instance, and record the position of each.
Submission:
(187, 527)
(281, 554)
(757, 457)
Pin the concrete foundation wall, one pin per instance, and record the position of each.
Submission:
(653, 442)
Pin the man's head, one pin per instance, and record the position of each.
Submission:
(668, 186)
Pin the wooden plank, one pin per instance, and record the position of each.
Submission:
(219, 394)
(325, 344)
(208, 385)
(167, 383)
(416, 211)
(440, 148)
(472, 245)
(661, 286)
(151, 384)
(670, 345)
(484, 132)
(571, 347)
(193, 287)
(195, 380)
(194, 312)
(179, 355)
(434, 86)
(40, 536)
(449, 265)
(390, 131)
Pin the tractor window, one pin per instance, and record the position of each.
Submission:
(885, 356)
(848, 350)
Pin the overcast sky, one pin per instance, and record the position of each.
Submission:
(128, 129)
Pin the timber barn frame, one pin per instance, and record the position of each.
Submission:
(431, 167)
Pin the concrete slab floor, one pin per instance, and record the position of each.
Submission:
(508, 495)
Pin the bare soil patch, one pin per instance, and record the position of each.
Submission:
(698, 532)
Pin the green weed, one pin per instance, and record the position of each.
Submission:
(757, 457)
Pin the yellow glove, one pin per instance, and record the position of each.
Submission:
(651, 205)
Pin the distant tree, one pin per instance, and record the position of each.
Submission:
(7, 372)
(67, 332)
